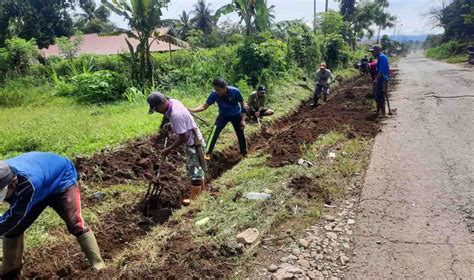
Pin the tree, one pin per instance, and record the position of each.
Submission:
(143, 16)
(203, 18)
(43, 20)
(93, 19)
(383, 19)
(254, 13)
(455, 19)
(184, 25)
(70, 47)
(348, 9)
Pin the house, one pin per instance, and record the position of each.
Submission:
(114, 44)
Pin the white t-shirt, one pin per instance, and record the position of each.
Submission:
(181, 121)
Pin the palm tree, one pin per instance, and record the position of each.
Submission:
(203, 19)
(184, 25)
(93, 19)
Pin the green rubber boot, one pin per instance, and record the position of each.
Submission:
(12, 258)
(91, 249)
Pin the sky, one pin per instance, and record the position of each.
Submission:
(411, 13)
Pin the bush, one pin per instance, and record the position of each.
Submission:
(97, 87)
(262, 62)
(445, 50)
(24, 91)
(21, 54)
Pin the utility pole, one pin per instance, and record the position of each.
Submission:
(314, 17)
(327, 5)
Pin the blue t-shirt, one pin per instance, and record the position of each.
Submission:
(48, 173)
(382, 66)
(40, 175)
(228, 105)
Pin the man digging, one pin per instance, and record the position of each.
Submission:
(231, 109)
(323, 79)
(183, 125)
(256, 103)
(30, 183)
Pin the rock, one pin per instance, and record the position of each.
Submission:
(327, 227)
(248, 236)
(286, 267)
(272, 268)
(99, 195)
(315, 275)
(288, 276)
(292, 257)
(303, 243)
(319, 256)
(303, 263)
(349, 232)
(338, 229)
(346, 246)
(329, 218)
(332, 155)
(296, 251)
(343, 259)
(350, 222)
(331, 235)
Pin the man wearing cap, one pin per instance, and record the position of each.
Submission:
(323, 79)
(231, 109)
(30, 183)
(381, 79)
(183, 125)
(256, 103)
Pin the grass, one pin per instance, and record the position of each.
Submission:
(450, 52)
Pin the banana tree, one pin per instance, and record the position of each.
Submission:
(144, 17)
(254, 13)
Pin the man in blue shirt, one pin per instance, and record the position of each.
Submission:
(381, 80)
(30, 183)
(231, 109)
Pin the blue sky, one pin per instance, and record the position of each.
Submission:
(410, 12)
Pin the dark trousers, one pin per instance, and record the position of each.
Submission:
(68, 206)
(221, 122)
(380, 91)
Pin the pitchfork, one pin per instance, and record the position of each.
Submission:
(155, 188)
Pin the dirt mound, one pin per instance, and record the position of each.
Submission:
(306, 187)
(303, 127)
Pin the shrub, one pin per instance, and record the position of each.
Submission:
(445, 50)
(97, 87)
(262, 62)
(21, 54)
(23, 91)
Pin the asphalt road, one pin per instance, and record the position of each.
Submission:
(416, 216)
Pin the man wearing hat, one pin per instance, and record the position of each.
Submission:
(183, 125)
(30, 183)
(381, 79)
(256, 103)
(323, 79)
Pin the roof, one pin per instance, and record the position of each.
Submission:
(113, 44)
